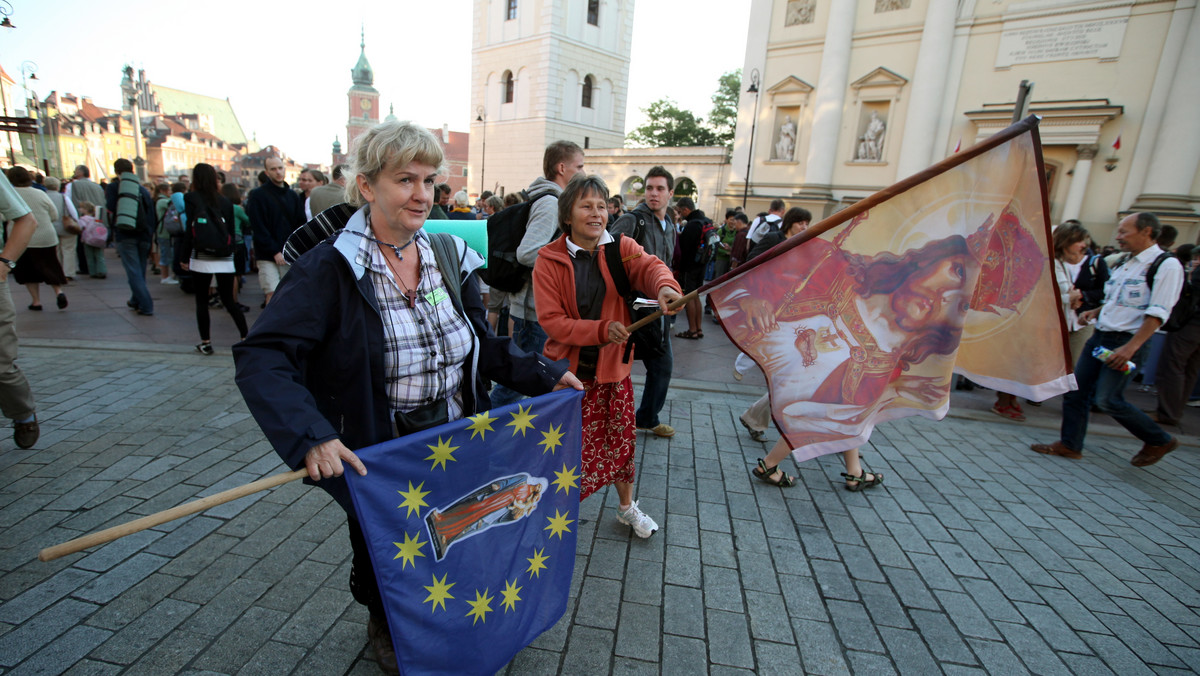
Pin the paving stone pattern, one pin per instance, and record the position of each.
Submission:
(978, 556)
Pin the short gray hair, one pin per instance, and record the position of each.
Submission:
(52, 184)
(579, 186)
(1145, 220)
(393, 142)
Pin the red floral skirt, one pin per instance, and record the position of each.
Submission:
(608, 435)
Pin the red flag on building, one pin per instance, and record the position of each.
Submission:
(1117, 143)
(948, 271)
(958, 146)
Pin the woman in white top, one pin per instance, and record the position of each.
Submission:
(1080, 278)
(39, 264)
(208, 244)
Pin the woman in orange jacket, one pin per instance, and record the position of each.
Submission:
(584, 318)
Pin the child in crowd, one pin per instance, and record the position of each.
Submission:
(94, 237)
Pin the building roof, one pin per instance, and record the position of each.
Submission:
(225, 122)
(5, 76)
(91, 112)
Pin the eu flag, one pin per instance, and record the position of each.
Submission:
(471, 528)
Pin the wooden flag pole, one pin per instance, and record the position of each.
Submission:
(110, 534)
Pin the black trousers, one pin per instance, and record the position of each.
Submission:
(225, 281)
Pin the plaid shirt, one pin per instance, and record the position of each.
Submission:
(425, 346)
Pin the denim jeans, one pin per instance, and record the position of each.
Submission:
(133, 255)
(529, 336)
(1108, 386)
(658, 380)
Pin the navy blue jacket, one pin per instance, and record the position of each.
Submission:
(312, 367)
(274, 211)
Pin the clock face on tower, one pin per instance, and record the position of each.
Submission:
(365, 104)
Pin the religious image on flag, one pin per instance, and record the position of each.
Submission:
(946, 272)
(471, 527)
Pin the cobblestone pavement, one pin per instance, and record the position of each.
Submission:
(978, 556)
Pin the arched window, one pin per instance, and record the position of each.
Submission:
(593, 12)
(512, 10)
(508, 86)
(588, 86)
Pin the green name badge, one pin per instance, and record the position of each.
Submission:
(436, 296)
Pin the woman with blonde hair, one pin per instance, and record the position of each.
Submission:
(376, 333)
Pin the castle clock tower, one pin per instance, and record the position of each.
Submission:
(363, 99)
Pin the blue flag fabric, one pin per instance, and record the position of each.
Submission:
(471, 527)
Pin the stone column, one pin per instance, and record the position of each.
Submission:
(830, 98)
(1176, 154)
(1075, 194)
(1139, 163)
(928, 89)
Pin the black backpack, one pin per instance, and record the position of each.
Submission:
(506, 229)
(1185, 308)
(649, 338)
(211, 236)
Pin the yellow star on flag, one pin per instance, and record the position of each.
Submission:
(410, 549)
(439, 591)
(481, 606)
(510, 596)
(481, 423)
(537, 563)
(522, 419)
(441, 453)
(414, 499)
(566, 480)
(558, 524)
(551, 439)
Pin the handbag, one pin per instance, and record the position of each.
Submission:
(422, 417)
(649, 339)
(70, 226)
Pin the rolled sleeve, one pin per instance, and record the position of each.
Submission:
(1168, 284)
(12, 206)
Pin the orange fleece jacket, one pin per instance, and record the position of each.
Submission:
(554, 295)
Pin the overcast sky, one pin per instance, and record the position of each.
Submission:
(286, 68)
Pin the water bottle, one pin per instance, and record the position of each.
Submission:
(1103, 353)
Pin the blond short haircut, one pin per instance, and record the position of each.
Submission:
(390, 144)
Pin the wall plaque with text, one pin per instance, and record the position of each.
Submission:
(1099, 39)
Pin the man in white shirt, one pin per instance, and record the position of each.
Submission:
(762, 226)
(1133, 309)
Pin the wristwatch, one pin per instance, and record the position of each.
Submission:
(10, 264)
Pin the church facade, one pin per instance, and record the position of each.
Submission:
(851, 97)
(542, 71)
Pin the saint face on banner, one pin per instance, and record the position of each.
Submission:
(869, 326)
(500, 502)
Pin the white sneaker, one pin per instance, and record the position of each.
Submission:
(169, 280)
(643, 525)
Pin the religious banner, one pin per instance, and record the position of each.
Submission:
(471, 527)
(948, 271)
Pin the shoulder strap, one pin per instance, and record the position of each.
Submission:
(616, 269)
(1153, 269)
(446, 253)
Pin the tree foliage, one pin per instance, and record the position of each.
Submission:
(668, 126)
(723, 118)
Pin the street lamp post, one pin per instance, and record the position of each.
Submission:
(479, 117)
(753, 125)
(129, 89)
(29, 72)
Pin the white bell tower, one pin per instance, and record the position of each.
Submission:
(543, 71)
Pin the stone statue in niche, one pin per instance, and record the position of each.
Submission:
(889, 5)
(870, 144)
(786, 146)
(799, 11)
